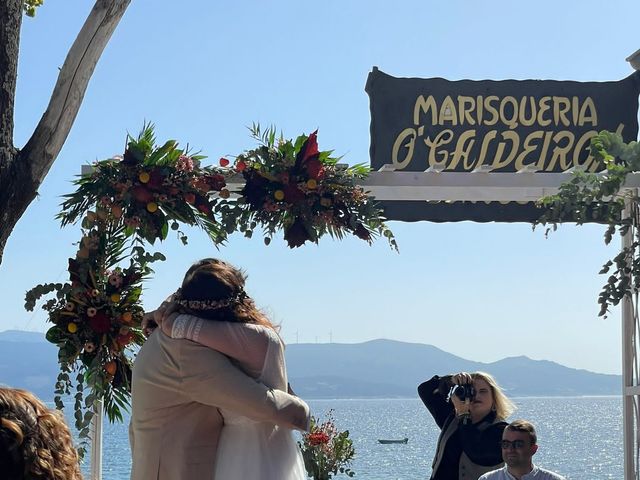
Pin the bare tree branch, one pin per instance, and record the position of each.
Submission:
(21, 173)
(49, 136)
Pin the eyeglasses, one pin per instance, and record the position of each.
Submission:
(516, 444)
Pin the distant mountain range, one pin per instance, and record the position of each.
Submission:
(378, 368)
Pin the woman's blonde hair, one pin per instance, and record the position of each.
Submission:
(35, 441)
(502, 405)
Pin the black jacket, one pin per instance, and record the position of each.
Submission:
(464, 450)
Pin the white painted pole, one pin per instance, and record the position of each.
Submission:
(96, 441)
(628, 357)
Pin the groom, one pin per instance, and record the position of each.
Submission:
(177, 388)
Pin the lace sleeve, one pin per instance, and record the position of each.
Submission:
(245, 343)
(187, 326)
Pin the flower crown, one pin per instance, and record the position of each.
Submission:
(237, 298)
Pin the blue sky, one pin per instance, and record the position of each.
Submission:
(203, 71)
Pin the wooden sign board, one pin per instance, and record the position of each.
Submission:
(491, 126)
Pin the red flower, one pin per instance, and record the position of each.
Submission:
(310, 147)
(100, 322)
(201, 184)
(292, 193)
(254, 190)
(308, 151)
(224, 162)
(204, 208)
(318, 438)
(141, 194)
(315, 168)
(216, 182)
(155, 180)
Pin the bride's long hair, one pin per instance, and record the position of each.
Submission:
(214, 289)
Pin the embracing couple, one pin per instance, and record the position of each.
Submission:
(210, 397)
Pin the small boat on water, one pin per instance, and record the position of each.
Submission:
(387, 441)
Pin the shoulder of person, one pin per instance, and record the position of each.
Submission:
(268, 332)
(493, 475)
(545, 474)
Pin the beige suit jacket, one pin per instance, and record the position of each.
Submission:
(177, 388)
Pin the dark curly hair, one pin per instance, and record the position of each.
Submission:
(35, 441)
(213, 279)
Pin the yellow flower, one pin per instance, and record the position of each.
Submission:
(312, 184)
(115, 298)
(278, 195)
(144, 177)
(152, 207)
(72, 327)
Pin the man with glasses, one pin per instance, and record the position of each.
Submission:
(519, 444)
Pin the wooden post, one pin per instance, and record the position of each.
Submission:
(96, 441)
(628, 359)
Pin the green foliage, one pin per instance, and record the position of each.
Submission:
(601, 197)
(30, 7)
(326, 451)
(291, 185)
(137, 199)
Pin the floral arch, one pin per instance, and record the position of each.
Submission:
(129, 202)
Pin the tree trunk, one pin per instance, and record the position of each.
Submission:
(10, 21)
(21, 173)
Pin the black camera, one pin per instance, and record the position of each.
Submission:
(465, 392)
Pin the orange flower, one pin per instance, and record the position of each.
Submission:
(110, 368)
(116, 211)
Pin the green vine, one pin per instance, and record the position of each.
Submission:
(600, 197)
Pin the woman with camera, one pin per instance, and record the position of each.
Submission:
(470, 410)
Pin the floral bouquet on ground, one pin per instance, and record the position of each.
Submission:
(326, 451)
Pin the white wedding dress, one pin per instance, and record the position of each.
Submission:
(250, 450)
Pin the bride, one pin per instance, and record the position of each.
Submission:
(212, 308)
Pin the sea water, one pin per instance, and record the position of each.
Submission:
(579, 437)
